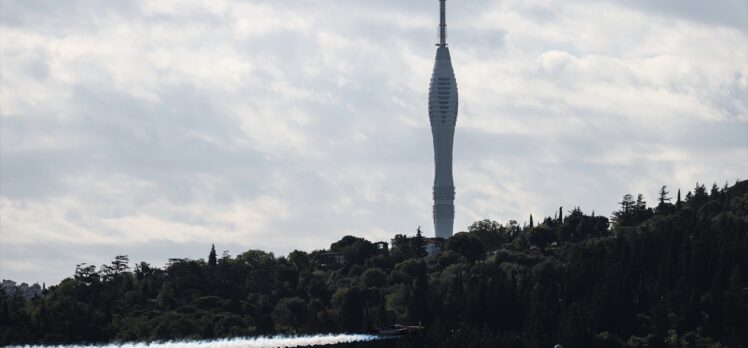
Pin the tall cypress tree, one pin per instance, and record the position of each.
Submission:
(418, 244)
(212, 256)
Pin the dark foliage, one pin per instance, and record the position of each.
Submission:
(674, 275)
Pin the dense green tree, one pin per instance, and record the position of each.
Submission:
(290, 314)
(86, 274)
(491, 233)
(542, 236)
(467, 245)
(698, 197)
(374, 278)
(625, 216)
(355, 249)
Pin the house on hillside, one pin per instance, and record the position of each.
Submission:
(383, 248)
(330, 260)
(433, 246)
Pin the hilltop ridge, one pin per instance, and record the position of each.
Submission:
(669, 275)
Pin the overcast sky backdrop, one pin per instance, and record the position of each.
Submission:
(155, 128)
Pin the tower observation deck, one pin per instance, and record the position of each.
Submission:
(443, 117)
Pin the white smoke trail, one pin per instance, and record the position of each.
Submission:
(256, 342)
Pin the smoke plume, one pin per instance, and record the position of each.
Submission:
(257, 342)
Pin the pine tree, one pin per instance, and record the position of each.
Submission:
(560, 215)
(663, 195)
(641, 212)
(212, 256)
(624, 216)
(699, 196)
(531, 222)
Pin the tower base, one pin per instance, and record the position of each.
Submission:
(444, 211)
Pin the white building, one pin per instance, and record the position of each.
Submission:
(27, 291)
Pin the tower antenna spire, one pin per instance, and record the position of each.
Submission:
(442, 23)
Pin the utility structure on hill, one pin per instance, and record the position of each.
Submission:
(443, 117)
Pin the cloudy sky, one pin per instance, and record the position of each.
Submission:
(155, 128)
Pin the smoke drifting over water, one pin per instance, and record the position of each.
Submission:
(257, 342)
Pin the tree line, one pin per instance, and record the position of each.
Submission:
(671, 275)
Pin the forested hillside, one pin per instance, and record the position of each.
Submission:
(669, 275)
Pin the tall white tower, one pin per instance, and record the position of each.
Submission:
(443, 117)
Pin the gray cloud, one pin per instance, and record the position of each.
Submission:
(732, 13)
(154, 129)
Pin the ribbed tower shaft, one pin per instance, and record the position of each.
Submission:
(443, 117)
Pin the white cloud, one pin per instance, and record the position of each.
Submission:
(154, 128)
